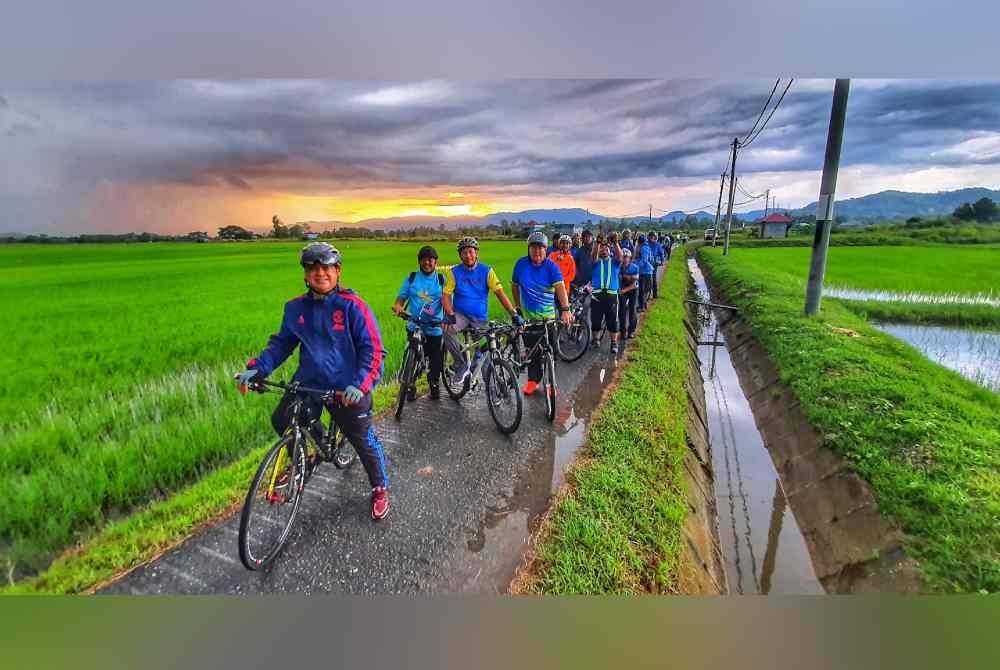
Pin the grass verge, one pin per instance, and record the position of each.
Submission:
(617, 526)
(979, 316)
(129, 542)
(924, 438)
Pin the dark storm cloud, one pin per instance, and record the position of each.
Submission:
(550, 133)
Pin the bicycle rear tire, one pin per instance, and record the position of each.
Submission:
(289, 480)
(579, 334)
(455, 391)
(502, 387)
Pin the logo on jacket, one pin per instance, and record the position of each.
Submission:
(301, 321)
(338, 319)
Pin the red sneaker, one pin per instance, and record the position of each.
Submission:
(530, 387)
(380, 503)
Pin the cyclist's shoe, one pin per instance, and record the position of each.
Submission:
(435, 391)
(380, 503)
(411, 393)
(530, 387)
(614, 347)
(461, 375)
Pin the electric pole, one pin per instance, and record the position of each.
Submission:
(718, 210)
(767, 199)
(827, 192)
(732, 187)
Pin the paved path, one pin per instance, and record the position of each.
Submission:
(464, 498)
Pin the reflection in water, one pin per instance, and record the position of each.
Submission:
(974, 354)
(989, 299)
(506, 529)
(754, 517)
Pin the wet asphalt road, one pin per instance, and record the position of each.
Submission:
(463, 496)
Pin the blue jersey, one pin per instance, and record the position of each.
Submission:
(339, 339)
(424, 297)
(606, 275)
(627, 244)
(658, 255)
(537, 286)
(630, 269)
(584, 264)
(470, 289)
(644, 259)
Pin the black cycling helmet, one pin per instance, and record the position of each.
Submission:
(427, 252)
(319, 252)
(468, 243)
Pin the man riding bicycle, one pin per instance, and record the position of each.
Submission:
(422, 291)
(466, 297)
(339, 348)
(536, 285)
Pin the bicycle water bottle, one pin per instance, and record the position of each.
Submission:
(478, 357)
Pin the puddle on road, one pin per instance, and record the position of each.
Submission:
(974, 354)
(506, 530)
(761, 541)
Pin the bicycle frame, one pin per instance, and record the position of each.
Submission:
(541, 347)
(475, 339)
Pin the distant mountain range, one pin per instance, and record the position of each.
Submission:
(883, 205)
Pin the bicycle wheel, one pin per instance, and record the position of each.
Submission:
(272, 503)
(406, 378)
(503, 395)
(573, 340)
(549, 386)
(455, 391)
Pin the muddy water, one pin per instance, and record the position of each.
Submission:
(763, 546)
(500, 541)
(974, 354)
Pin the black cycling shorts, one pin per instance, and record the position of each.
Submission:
(604, 312)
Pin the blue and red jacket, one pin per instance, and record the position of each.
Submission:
(341, 344)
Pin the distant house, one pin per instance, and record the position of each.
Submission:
(567, 229)
(775, 224)
(310, 236)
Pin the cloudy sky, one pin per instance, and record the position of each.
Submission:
(174, 156)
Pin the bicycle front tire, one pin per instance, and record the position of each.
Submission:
(276, 487)
(503, 395)
(406, 378)
(549, 374)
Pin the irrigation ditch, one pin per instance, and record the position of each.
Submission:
(792, 516)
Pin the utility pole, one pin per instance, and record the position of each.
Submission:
(718, 210)
(650, 215)
(732, 187)
(767, 199)
(827, 193)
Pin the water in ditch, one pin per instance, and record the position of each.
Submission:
(761, 541)
(974, 354)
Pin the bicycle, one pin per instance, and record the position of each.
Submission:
(482, 356)
(275, 493)
(573, 340)
(542, 347)
(414, 360)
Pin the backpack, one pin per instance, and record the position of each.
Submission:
(413, 275)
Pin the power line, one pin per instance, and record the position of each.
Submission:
(762, 110)
(773, 110)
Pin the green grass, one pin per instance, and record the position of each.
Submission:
(979, 316)
(117, 389)
(927, 440)
(619, 528)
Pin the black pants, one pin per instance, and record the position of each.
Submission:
(627, 317)
(645, 286)
(531, 337)
(433, 351)
(355, 422)
(604, 312)
(656, 274)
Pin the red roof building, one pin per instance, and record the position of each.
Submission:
(774, 224)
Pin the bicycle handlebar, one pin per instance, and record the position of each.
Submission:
(294, 387)
(420, 322)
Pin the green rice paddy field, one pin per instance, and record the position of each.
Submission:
(116, 387)
(932, 270)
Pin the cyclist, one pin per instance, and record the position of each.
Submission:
(605, 284)
(652, 239)
(466, 298)
(627, 295)
(627, 242)
(583, 257)
(422, 292)
(576, 241)
(537, 284)
(339, 348)
(644, 259)
(563, 257)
